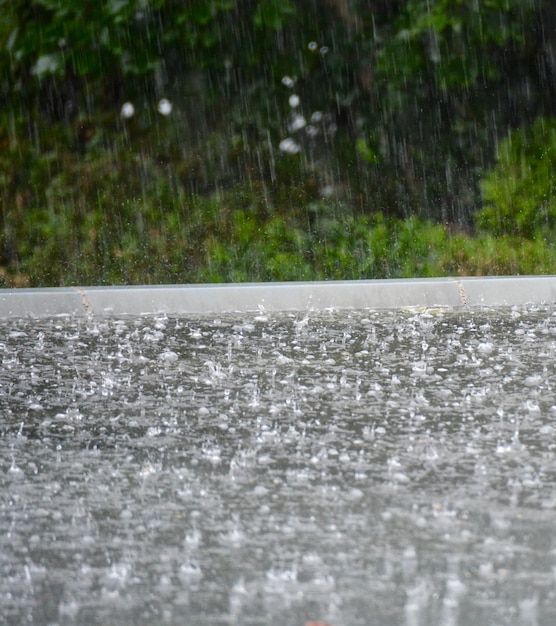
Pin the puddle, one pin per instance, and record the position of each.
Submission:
(352, 468)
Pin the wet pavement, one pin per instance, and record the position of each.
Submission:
(355, 468)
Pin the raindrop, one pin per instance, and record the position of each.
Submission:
(313, 46)
(485, 347)
(288, 81)
(289, 145)
(233, 539)
(312, 131)
(297, 123)
(164, 106)
(316, 117)
(528, 609)
(168, 356)
(189, 571)
(324, 50)
(127, 110)
(69, 609)
(294, 100)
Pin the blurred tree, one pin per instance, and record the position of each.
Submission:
(380, 106)
(449, 78)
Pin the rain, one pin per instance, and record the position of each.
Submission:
(213, 141)
(367, 467)
(317, 468)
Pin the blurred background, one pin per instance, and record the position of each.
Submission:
(164, 141)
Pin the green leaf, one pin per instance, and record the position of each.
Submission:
(273, 14)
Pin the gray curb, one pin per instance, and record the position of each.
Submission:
(294, 296)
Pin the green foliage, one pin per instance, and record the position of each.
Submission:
(140, 226)
(45, 37)
(273, 14)
(450, 39)
(449, 77)
(411, 97)
(519, 193)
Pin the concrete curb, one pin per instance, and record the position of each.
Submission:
(293, 296)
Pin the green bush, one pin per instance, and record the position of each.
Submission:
(519, 193)
(121, 233)
(487, 255)
(130, 216)
(133, 207)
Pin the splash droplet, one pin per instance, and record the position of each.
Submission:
(294, 100)
(164, 107)
(127, 110)
(289, 145)
(297, 122)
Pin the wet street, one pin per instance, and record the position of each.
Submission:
(356, 468)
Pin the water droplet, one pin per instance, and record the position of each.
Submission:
(233, 539)
(164, 106)
(288, 81)
(313, 46)
(355, 494)
(193, 539)
(168, 356)
(297, 122)
(69, 609)
(485, 347)
(127, 110)
(312, 131)
(189, 571)
(294, 100)
(316, 117)
(533, 381)
(290, 146)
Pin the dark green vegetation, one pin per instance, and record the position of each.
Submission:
(432, 151)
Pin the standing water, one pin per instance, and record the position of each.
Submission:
(354, 468)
